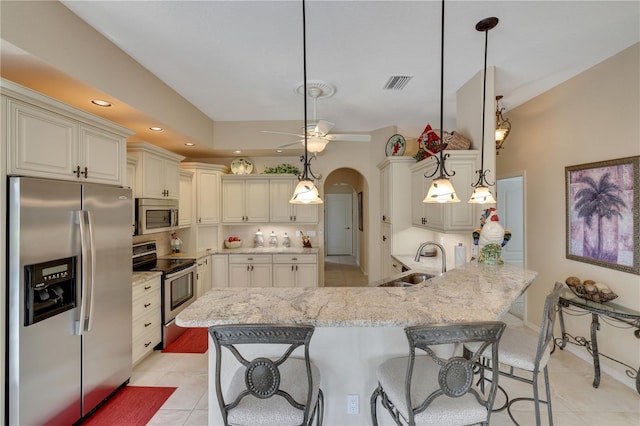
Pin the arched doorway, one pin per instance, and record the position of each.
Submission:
(344, 264)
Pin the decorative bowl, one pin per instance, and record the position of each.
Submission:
(232, 244)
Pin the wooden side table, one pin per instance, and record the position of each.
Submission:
(571, 304)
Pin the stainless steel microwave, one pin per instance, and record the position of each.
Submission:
(156, 215)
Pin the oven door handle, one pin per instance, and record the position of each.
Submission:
(181, 272)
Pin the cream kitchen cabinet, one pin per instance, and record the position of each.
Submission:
(395, 177)
(49, 139)
(186, 202)
(220, 270)
(250, 270)
(203, 275)
(245, 199)
(454, 217)
(385, 250)
(132, 163)
(146, 317)
(158, 171)
(280, 210)
(207, 191)
(295, 270)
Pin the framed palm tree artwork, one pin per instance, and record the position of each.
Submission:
(603, 213)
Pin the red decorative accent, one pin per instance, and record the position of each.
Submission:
(192, 341)
(428, 143)
(131, 406)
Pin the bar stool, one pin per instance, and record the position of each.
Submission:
(263, 391)
(529, 353)
(430, 390)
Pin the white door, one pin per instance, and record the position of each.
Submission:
(510, 205)
(339, 226)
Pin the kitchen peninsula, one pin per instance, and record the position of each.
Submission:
(358, 327)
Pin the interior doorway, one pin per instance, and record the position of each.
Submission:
(510, 205)
(339, 214)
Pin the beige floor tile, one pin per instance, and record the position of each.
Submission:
(170, 417)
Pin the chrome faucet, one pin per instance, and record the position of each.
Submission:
(433, 243)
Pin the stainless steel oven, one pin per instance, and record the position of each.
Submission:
(178, 292)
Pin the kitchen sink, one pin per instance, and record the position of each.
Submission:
(408, 280)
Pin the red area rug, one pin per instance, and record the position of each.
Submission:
(192, 341)
(132, 406)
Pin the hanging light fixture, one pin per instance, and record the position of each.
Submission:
(441, 190)
(503, 126)
(306, 191)
(481, 193)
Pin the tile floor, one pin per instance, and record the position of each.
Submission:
(342, 271)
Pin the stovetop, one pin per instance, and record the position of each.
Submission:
(145, 258)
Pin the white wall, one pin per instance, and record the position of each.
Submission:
(589, 118)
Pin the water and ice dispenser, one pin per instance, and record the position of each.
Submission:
(50, 289)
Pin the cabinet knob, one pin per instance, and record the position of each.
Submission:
(146, 305)
(147, 287)
(147, 324)
(384, 238)
(146, 345)
(77, 172)
(384, 218)
(85, 173)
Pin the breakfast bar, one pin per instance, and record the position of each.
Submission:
(358, 327)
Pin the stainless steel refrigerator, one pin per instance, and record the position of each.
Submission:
(69, 298)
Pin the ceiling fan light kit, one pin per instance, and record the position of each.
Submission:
(481, 193)
(441, 190)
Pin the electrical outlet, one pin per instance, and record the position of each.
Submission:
(353, 404)
(311, 233)
(298, 234)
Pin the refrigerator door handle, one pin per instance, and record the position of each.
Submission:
(88, 272)
(92, 275)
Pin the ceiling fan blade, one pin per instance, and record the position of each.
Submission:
(281, 133)
(323, 127)
(348, 137)
(291, 144)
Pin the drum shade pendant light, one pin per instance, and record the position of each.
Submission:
(441, 190)
(481, 193)
(306, 191)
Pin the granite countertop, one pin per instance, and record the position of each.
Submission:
(140, 277)
(474, 292)
(243, 250)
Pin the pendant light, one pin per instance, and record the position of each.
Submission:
(306, 191)
(481, 193)
(441, 190)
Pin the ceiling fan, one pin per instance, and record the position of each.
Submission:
(318, 131)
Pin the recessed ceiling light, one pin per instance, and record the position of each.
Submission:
(237, 151)
(189, 144)
(156, 129)
(279, 151)
(100, 102)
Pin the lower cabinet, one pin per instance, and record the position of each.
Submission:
(203, 275)
(299, 270)
(220, 273)
(146, 316)
(250, 270)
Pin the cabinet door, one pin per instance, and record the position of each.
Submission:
(233, 201)
(185, 205)
(102, 156)
(42, 143)
(131, 181)
(200, 279)
(283, 274)
(417, 195)
(171, 179)
(280, 192)
(208, 194)
(306, 275)
(385, 250)
(239, 275)
(262, 275)
(220, 270)
(385, 196)
(304, 213)
(462, 216)
(153, 169)
(256, 201)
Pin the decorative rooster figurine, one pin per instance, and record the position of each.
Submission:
(491, 238)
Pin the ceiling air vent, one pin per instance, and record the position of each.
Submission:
(397, 82)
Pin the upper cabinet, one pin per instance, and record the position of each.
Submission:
(186, 204)
(157, 171)
(394, 180)
(49, 139)
(207, 191)
(454, 217)
(245, 199)
(281, 210)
